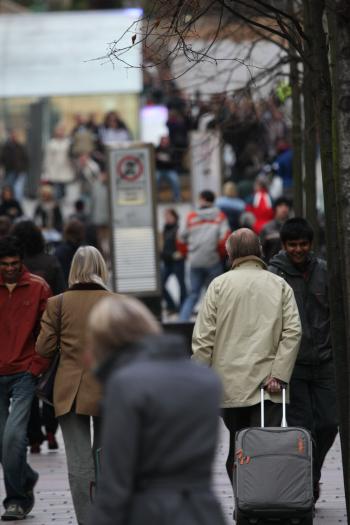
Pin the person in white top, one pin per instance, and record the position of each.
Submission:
(58, 168)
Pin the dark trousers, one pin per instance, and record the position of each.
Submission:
(176, 268)
(313, 406)
(38, 418)
(237, 418)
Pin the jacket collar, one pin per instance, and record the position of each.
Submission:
(24, 278)
(86, 286)
(252, 260)
(282, 261)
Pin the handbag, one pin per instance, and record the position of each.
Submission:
(44, 388)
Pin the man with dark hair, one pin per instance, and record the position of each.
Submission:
(47, 266)
(204, 237)
(23, 299)
(270, 234)
(248, 330)
(313, 394)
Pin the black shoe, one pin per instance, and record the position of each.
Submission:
(30, 495)
(35, 448)
(14, 512)
(317, 490)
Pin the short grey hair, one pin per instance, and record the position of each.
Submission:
(243, 243)
(118, 320)
(88, 266)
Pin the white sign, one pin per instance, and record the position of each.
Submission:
(48, 54)
(133, 220)
(206, 166)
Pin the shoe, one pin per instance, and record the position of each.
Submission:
(30, 494)
(14, 512)
(51, 441)
(317, 491)
(35, 448)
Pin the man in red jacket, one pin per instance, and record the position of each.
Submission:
(23, 299)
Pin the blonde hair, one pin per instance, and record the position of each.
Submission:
(118, 320)
(88, 266)
(46, 190)
(230, 189)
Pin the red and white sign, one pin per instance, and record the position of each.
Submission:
(130, 168)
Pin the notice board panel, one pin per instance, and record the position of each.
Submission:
(133, 219)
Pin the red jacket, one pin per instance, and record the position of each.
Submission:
(262, 209)
(20, 314)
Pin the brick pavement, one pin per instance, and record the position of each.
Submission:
(54, 504)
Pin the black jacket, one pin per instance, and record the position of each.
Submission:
(14, 157)
(311, 294)
(44, 219)
(65, 253)
(11, 208)
(169, 242)
(161, 415)
(49, 268)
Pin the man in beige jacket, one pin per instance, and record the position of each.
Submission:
(248, 329)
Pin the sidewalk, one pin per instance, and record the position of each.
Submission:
(54, 503)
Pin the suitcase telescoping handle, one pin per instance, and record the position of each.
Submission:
(262, 404)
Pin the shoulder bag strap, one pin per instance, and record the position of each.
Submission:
(59, 318)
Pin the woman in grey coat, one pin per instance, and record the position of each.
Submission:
(160, 423)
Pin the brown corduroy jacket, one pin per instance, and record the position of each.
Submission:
(75, 388)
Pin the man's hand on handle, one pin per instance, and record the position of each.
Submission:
(273, 385)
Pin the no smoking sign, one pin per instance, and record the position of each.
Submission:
(129, 168)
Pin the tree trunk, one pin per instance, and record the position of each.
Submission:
(322, 93)
(296, 136)
(309, 136)
(339, 35)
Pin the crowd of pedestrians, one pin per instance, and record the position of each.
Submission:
(254, 327)
(264, 320)
(73, 173)
(201, 238)
(255, 137)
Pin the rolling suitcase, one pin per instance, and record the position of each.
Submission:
(272, 477)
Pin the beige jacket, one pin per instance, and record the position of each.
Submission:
(248, 329)
(75, 387)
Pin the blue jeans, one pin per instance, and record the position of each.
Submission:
(19, 477)
(172, 178)
(199, 277)
(178, 269)
(17, 182)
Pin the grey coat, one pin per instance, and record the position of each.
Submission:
(158, 444)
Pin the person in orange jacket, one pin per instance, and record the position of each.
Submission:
(204, 236)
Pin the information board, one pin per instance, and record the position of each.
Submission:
(133, 222)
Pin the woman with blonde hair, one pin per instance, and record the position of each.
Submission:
(76, 393)
(160, 422)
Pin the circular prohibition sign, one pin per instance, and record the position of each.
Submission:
(129, 168)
